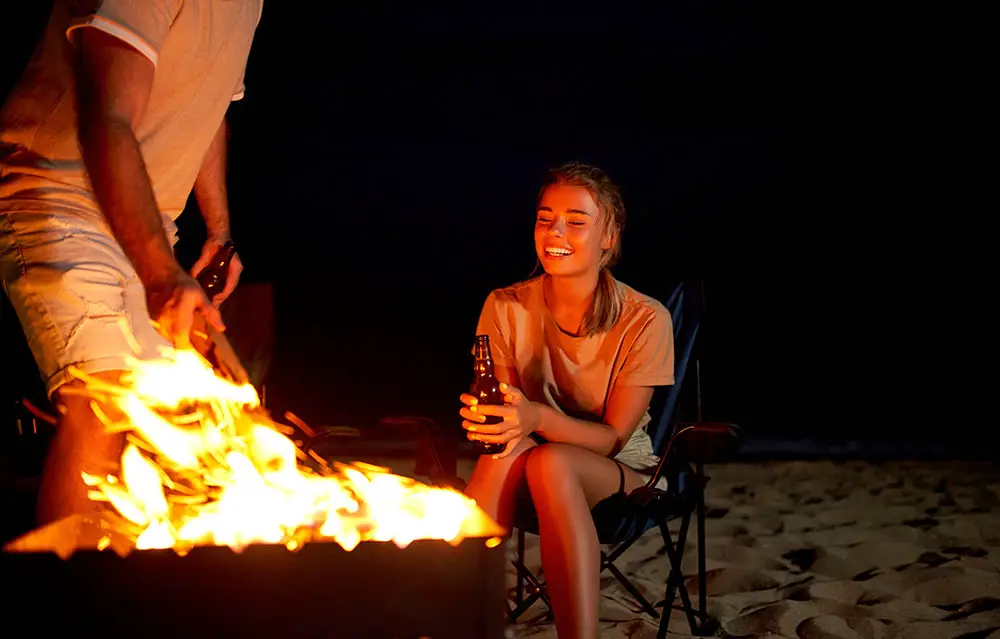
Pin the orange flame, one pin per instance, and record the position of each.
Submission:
(205, 465)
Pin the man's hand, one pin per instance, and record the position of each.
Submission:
(208, 251)
(173, 302)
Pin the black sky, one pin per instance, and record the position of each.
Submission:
(385, 161)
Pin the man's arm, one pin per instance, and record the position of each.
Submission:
(213, 201)
(210, 188)
(113, 85)
(113, 91)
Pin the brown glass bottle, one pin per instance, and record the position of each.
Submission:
(486, 388)
(213, 277)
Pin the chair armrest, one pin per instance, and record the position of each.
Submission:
(707, 442)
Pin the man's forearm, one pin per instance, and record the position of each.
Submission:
(210, 188)
(118, 176)
(557, 427)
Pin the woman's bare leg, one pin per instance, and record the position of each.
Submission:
(566, 482)
(494, 482)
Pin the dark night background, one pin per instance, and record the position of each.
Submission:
(384, 164)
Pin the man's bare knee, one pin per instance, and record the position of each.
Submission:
(76, 389)
(80, 427)
(74, 398)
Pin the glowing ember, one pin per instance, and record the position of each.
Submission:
(205, 465)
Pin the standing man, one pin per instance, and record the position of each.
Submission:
(119, 115)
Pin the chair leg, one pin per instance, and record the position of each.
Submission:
(623, 580)
(689, 611)
(524, 606)
(519, 590)
(675, 580)
(607, 563)
(678, 548)
(525, 575)
(530, 600)
(622, 547)
(702, 576)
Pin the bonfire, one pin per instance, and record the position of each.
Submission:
(205, 464)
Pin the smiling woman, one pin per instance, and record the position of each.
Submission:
(579, 224)
(578, 354)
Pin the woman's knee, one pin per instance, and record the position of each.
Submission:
(561, 469)
(550, 466)
(500, 469)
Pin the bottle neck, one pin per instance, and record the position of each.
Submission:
(483, 356)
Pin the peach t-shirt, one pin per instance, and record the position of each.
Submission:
(576, 375)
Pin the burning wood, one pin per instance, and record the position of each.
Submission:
(205, 465)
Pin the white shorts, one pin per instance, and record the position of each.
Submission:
(76, 294)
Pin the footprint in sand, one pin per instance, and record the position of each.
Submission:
(843, 592)
(886, 606)
(780, 618)
(830, 627)
(859, 562)
(972, 607)
(933, 560)
(940, 630)
(965, 551)
(802, 559)
(731, 580)
(806, 619)
(950, 588)
(923, 523)
(716, 512)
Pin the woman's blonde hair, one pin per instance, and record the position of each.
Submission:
(609, 298)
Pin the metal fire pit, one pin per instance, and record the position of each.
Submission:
(430, 589)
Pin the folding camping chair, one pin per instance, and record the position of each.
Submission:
(684, 448)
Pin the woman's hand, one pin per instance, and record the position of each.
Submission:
(520, 417)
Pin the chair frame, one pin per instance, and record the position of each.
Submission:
(529, 588)
(674, 548)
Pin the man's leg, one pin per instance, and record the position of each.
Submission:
(77, 298)
(81, 445)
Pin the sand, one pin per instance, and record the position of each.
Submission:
(820, 550)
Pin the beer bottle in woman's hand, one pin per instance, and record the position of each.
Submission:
(486, 389)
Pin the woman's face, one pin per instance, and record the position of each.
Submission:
(569, 234)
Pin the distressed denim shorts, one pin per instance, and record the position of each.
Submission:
(77, 296)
